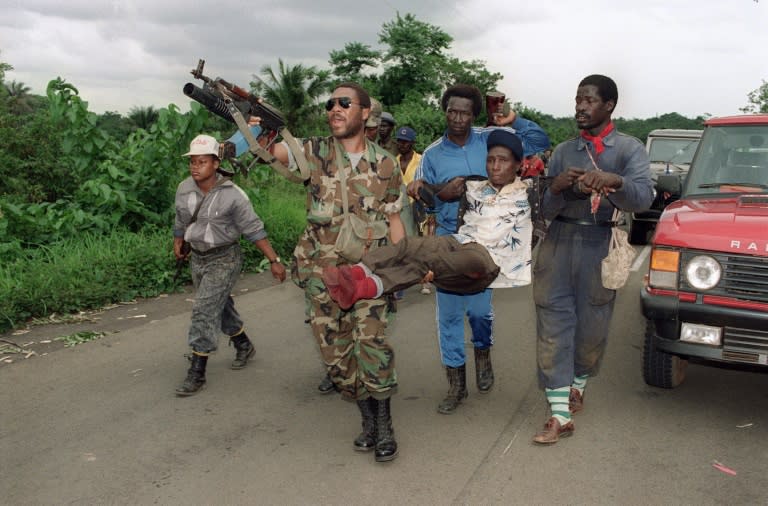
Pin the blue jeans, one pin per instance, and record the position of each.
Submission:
(451, 308)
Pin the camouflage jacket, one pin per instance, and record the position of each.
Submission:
(373, 192)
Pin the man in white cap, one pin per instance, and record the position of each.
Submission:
(211, 214)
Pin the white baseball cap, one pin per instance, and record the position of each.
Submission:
(203, 145)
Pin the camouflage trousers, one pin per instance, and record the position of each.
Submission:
(353, 344)
(214, 311)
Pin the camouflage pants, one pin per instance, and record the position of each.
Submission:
(355, 350)
(213, 311)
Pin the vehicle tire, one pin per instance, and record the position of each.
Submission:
(638, 232)
(661, 369)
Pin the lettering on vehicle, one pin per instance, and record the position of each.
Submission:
(749, 246)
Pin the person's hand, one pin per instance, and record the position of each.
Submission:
(413, 188)
(278, 271)
(428, 277)
(452, 190)
(600, 181)
(565, 180)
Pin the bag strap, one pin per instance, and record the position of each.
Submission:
(342, 177)
(219, 182)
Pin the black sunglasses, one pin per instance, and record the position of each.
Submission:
(344, 103)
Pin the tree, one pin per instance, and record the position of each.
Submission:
(118, 127)
(143, 117)
(294, 89)
(348, 63)
(414, 60)
(19, 99)
(758, 100)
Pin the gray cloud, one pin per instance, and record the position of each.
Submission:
(687, 56)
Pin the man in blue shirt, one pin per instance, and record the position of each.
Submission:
(459, 153)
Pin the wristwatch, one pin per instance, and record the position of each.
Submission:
(275, 261)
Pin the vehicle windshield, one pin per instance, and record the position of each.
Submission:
(731, 159)
(678, 151)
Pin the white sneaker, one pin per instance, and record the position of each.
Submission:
(425, 290)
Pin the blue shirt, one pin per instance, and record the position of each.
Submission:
(444, 160)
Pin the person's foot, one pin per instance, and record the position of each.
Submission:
(326, 386)
(575, 401)
(552, 432)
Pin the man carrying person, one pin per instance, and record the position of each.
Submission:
(594, 173)
(491, 249)
(459, 153)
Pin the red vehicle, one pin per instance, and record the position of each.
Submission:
(706, 293)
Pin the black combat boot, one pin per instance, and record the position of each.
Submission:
(386, 446)
(366, 441)
(326, 386)
(483, 370)
(244, 350)
(195, 380)
(457, 390)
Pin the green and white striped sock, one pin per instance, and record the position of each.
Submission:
(580, 383)
(558, 403)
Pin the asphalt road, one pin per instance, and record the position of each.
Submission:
(99, 423)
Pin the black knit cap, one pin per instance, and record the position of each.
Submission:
(507, 139)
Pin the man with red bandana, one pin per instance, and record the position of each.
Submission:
(594, 173)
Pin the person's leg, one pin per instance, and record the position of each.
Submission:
(480, 316)
(210, 276)
(450, 324)
(555, 326)
(594, 308)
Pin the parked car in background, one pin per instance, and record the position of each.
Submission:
(706, 292)
(670, 152)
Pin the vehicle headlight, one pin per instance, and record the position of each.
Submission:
(703, 272)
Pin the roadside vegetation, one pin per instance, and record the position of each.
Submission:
(86, 200)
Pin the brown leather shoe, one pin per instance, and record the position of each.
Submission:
(552, 432)
(575, 401)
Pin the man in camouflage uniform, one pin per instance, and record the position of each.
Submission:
(356, 352)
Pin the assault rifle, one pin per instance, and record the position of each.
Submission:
(237, 105)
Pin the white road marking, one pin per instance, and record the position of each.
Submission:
(640, 259)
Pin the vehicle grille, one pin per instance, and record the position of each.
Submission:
(745, 345)
(744, 277)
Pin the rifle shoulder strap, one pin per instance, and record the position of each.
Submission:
(255, 148)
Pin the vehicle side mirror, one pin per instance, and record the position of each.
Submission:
(669, 183)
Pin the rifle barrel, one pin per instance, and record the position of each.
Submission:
(213, 103)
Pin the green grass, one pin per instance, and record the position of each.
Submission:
(90, 271)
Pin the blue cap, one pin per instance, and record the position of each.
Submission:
(501, 137)
(406, 134)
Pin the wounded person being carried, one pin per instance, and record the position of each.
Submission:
(492, 247)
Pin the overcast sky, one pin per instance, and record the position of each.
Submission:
(687, 56)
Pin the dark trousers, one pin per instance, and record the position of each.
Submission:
(460, 268)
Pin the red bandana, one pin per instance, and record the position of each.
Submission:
(597, 140)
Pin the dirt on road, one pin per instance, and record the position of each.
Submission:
(41, 337)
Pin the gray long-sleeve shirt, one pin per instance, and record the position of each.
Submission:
(225, 215)
(623, 155)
